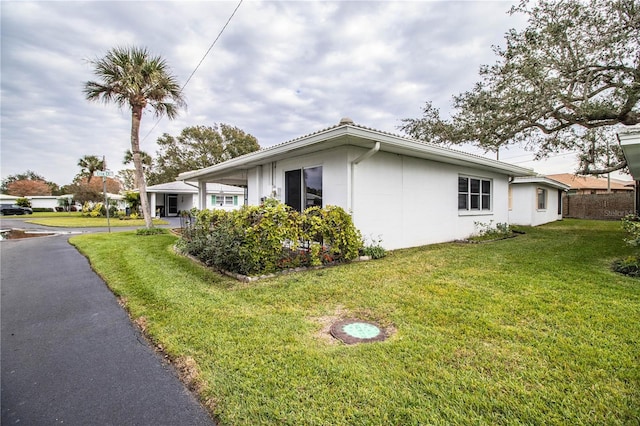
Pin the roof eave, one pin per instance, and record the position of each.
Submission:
(396, 143)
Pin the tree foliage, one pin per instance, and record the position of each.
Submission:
(88, 165)
(84, 191)
(573, 69)
(197, 147)
(131, 77)
(27, 187)
(127, 179)
(146, 159)
(29, 175)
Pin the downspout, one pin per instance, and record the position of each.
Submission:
(355, 162)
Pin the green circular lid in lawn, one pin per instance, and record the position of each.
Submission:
(356, 331)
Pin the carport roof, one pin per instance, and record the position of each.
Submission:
(180, 187)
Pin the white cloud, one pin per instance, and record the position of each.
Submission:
(280, 70)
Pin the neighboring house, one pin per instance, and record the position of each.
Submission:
(591, 197)
(44, 201)
(167, 199)
(37, 201)
(402, 191)
(8, 199)
(591, 184)
(535, 200)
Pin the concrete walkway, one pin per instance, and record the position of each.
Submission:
(69, 352)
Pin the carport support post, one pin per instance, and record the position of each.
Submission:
(202, 195)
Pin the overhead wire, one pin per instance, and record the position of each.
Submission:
(199, 63)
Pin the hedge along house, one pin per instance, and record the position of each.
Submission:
(168, 199)
(535, 200)
(398, 190)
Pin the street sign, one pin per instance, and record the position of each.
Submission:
(106, 173)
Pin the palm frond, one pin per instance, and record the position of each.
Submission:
(131, 76)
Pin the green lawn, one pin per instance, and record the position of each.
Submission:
(530, 330)
(75, 220)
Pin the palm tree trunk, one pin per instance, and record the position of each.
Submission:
(136, 116)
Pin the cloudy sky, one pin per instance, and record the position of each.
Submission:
(280, 70)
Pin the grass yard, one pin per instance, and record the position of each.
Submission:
(530, 330)
(75, 220)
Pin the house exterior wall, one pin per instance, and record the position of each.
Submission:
(268, 180)
(403, 201)
(44, 202)
(187, 201)
(238, 201)
(408, 202)
(524, 205)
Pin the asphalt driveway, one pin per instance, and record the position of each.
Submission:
(69, 352)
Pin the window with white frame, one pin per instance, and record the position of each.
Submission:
(474, 194)
(542, 198)
(224, 200)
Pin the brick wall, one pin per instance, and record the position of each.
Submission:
(611, 206)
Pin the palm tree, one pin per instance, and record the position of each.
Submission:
(89, 164)
(130, 76)
(146, 159)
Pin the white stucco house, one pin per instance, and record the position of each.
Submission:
(535, 200)
(402, 191)
(167, 199)
(45, 201)
(630, 142)
(8, 199)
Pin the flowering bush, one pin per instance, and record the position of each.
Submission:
(271, 237)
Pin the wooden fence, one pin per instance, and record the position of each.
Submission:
(613, 206)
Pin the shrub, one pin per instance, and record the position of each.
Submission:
(374, 250)
(23, 202)
(628, 266)
(631, 225)
(487, 231)
(271, 237)
(94, 210)
(150, 231)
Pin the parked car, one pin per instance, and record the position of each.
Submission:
(6, 209)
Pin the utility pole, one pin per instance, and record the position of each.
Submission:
(608, 165)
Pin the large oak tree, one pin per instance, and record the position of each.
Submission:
(574, 69)
(198, 147)
(29, 175)
(131, 77)
(28, 187)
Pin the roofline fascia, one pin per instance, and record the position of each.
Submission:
(545, 180)
(363, 133)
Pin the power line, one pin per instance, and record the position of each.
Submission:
(199, 63)
(212, 44)
(541, 159)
